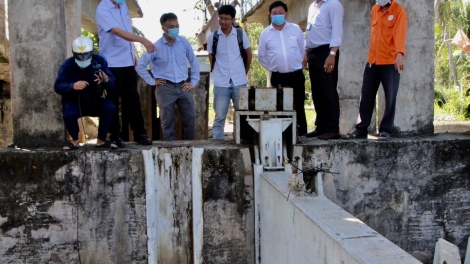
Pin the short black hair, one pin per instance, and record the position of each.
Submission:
(227, 10)
(167, 16)
(276, 4)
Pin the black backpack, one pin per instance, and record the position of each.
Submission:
(215, 40)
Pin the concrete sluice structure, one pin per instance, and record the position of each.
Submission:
(193, 202)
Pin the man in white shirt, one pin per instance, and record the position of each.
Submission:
(230, 64)
(280, 51)
(324, 33)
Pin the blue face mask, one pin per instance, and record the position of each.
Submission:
(173, 32)
(120, 1)
(278, 19)
(83, 64)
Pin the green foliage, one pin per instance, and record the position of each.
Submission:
(94, 38)
(257, 73)
(137, 32)
(450, 17)
(451, 105)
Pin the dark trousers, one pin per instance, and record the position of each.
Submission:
(373, 76)
(126, 88)
(324, 94)
(296, 80)
(102, 108)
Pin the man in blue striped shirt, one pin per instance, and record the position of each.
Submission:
(170, 75)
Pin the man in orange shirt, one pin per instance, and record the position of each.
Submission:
(384, 65)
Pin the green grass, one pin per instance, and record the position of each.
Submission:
(451, 104)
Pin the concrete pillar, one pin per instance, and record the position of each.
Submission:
(352, 60)
(37, 48)
(73, 20)
(415, 100)
(415, 108)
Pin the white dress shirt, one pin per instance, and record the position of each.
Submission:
(281, 50)
(228, 60)
(324, 24)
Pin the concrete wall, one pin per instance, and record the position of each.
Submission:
(412, 192)
(37, 48)
(309, 229)
(86, 207)
(96, 206)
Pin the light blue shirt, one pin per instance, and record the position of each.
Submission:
(228, 60)
(170, 62)
(116, 50)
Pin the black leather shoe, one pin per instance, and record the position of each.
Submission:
(314, 133)
(119, 143)
(330, 135)
(143, 140)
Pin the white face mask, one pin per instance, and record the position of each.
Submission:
(383, 2)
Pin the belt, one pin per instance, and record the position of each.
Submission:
(312, 50)
(288, 73)
(170, 82)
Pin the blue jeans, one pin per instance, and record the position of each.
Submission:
(222, 96)
(373, 76)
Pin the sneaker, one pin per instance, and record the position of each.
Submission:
(119, 143)
(143, 140)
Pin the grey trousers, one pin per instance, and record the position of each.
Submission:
(167, 95)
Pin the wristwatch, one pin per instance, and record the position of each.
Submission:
(332, 53)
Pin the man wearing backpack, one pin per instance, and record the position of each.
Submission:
(230, 56)
(280, 51)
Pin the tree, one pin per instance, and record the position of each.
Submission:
(452, 68)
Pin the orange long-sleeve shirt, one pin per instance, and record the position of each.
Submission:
(388, 34)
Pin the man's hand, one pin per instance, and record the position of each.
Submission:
(80, 85)
(304, 62)
(329, 63)
(159, 82)
(399, 64)
(149, 45)
(187, 87)
(104, 78)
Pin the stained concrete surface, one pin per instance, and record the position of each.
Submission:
(412, 191)
(84, 206)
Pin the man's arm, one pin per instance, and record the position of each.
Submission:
(336, 13)
(195, 68)
(262, 51)
(399, 32)
(62, 83)
(399, 37)
(111, 80)
(134, 38)
(247, 47)
(106, 21)
(249, 57)
(141, 68)
(209, 47)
